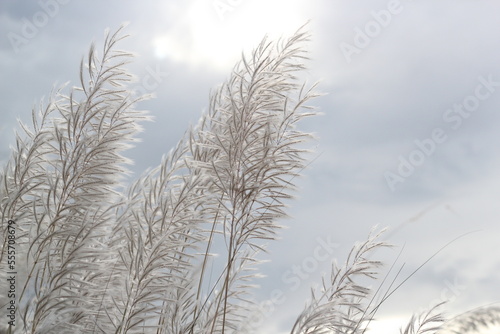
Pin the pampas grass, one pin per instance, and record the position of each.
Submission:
(94, 258)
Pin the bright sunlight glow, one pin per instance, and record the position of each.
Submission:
(239, 25)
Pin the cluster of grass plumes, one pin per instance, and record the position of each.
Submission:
(93, 258)
(100, 260)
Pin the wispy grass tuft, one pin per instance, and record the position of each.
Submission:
(339, 306)
(427, 322)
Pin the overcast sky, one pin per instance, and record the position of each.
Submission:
(409, 136)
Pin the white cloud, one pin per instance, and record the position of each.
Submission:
(202, 37)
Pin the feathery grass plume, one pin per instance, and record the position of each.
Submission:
(340, 305)
(473, 321)
(59, 186)
(427, 322)
(156, 227)
(248, 147)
